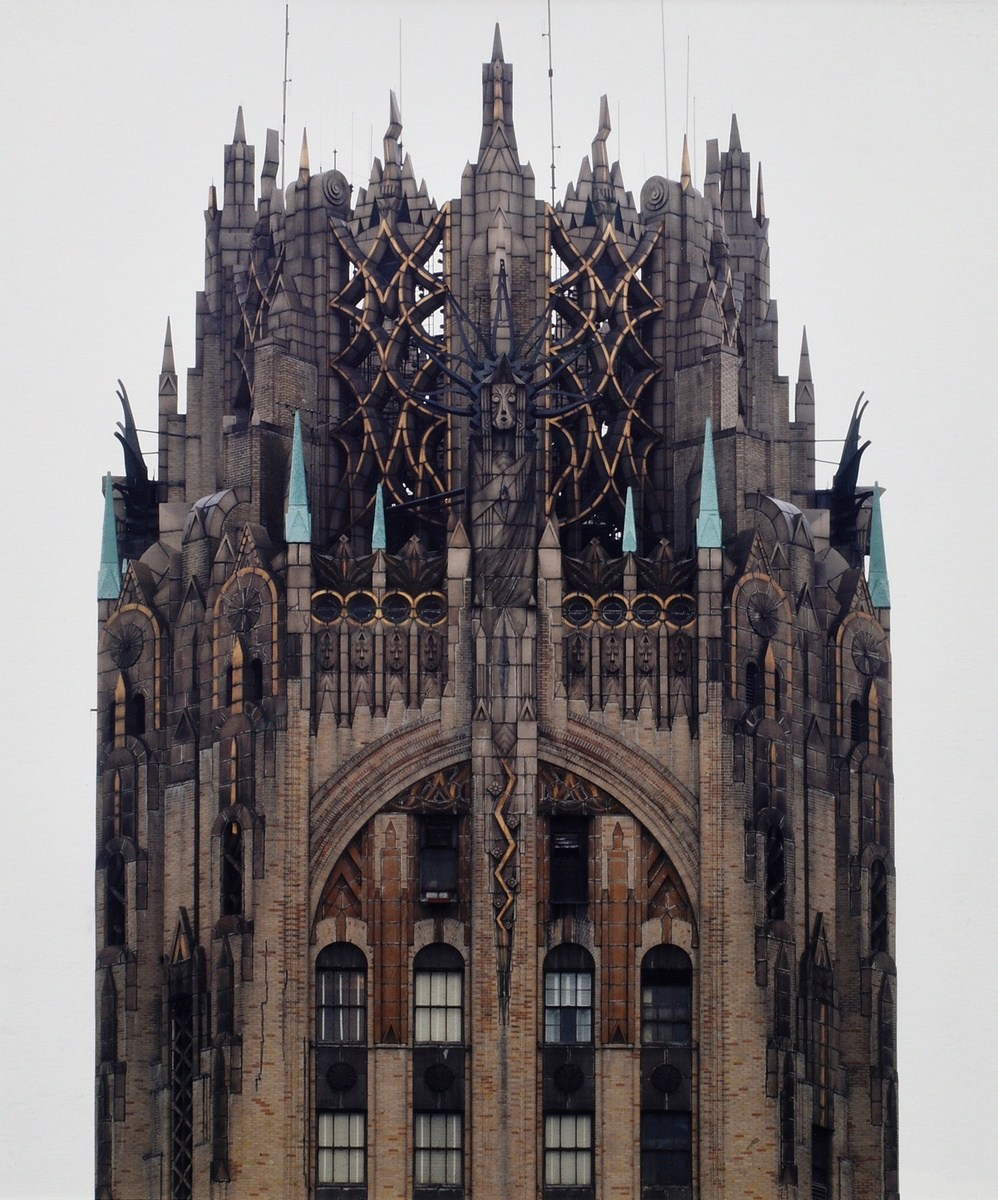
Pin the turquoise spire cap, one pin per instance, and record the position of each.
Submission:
(297, 518)
(379, 540)
(629, 542)
(109, 575)
(709, 520)
(880, 588)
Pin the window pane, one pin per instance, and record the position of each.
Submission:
(438, 1006)
(341, 1143)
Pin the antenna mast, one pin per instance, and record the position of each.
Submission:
(284, 95)
(551, 99)
(665, 91)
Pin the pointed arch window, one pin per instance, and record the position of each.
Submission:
(879, 916)
(232, 869)
(114, 900)
(776, 874)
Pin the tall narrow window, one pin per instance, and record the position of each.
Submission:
(568, 1150)
(788, 1127)
(342, 1140)
(751, 684)
(439, 986)
(776, 875)
(886, 1033)
(254, 681)
(232, 869)
(438, 858)
(857, 721)
(878, 908)
(181, 1097)
(340, 996)
(135, 715)
(569, 860)
(108, 1019)
(568, 996)
(438, 1150)
(666, 1161)
(821, 1162)
(666, 997)
(783, 1002)
(114, 900)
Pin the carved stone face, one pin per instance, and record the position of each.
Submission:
(503, 406)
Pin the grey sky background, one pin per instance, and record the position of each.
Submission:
(876, 126)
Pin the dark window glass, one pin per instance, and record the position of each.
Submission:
(114, 900)
(232, 869)
(821, 1162)
(857, 721)
(666, 997)
(568, 996)
(438, 858)
(254, 682)
(569, 860)
(341, 996)
(783, 1001)
(878, 908)
(135, 715)
(776, 875)
(666, 1158)
(751, 684)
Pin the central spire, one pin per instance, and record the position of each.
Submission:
(497, 103)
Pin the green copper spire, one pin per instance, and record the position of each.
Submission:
(709, 520)
(629, 542)
(378, 539)
(109, 575)
(880, 589)
(297, 519)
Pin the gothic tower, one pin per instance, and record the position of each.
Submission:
(494, 784)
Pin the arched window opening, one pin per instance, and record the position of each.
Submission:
(341, 996)
(439, 994)
(788, 1123)
(135, 715)
(776, 875)
(114, 900)
(666, 997)
(887, 1031)
(232, 869)
(253, 686)
(751, 684)
(878, 908)
(857, 721)
(568, 996)
(783, 998)
(438, 858)
(108, 1019)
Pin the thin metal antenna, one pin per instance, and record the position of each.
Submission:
(665, 91)
(400, 62)
(694, 138)
(687, 129)
(618, 131)
(284, 94)
(551, 99)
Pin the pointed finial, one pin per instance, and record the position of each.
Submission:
(239, 135)
(604, 119)
(497, 46)
(760, 198)
(303, 166)
(109, 575)
(629, 541)
(297, 518)
(734, 141)
(880, 589)
(686, 177)
(394, 116)
(212, 202)
(804, 369)
(709, 519)
(379, 540)
(168, 367)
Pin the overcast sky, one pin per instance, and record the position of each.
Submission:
(875, 124)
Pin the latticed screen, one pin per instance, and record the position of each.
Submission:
(181, 1098)
(568, 1150)
(568, 1006)
(341, 1147)
(438, 1006)
(438, 1149)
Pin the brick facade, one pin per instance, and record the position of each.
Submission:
(469, 843)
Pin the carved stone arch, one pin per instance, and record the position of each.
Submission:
(135, 644)
(760, 621)
(861, 658)
(246, 612)
(352, 795)
(660, 802)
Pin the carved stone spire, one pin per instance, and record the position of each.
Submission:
(602, 189)
(297, 518)
(497, 104)
(880, 588)
(709, 517)
(391, 179)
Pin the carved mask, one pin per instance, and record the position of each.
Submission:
(503, 406)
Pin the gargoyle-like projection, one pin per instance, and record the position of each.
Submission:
(846, 501)
(138, 491)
